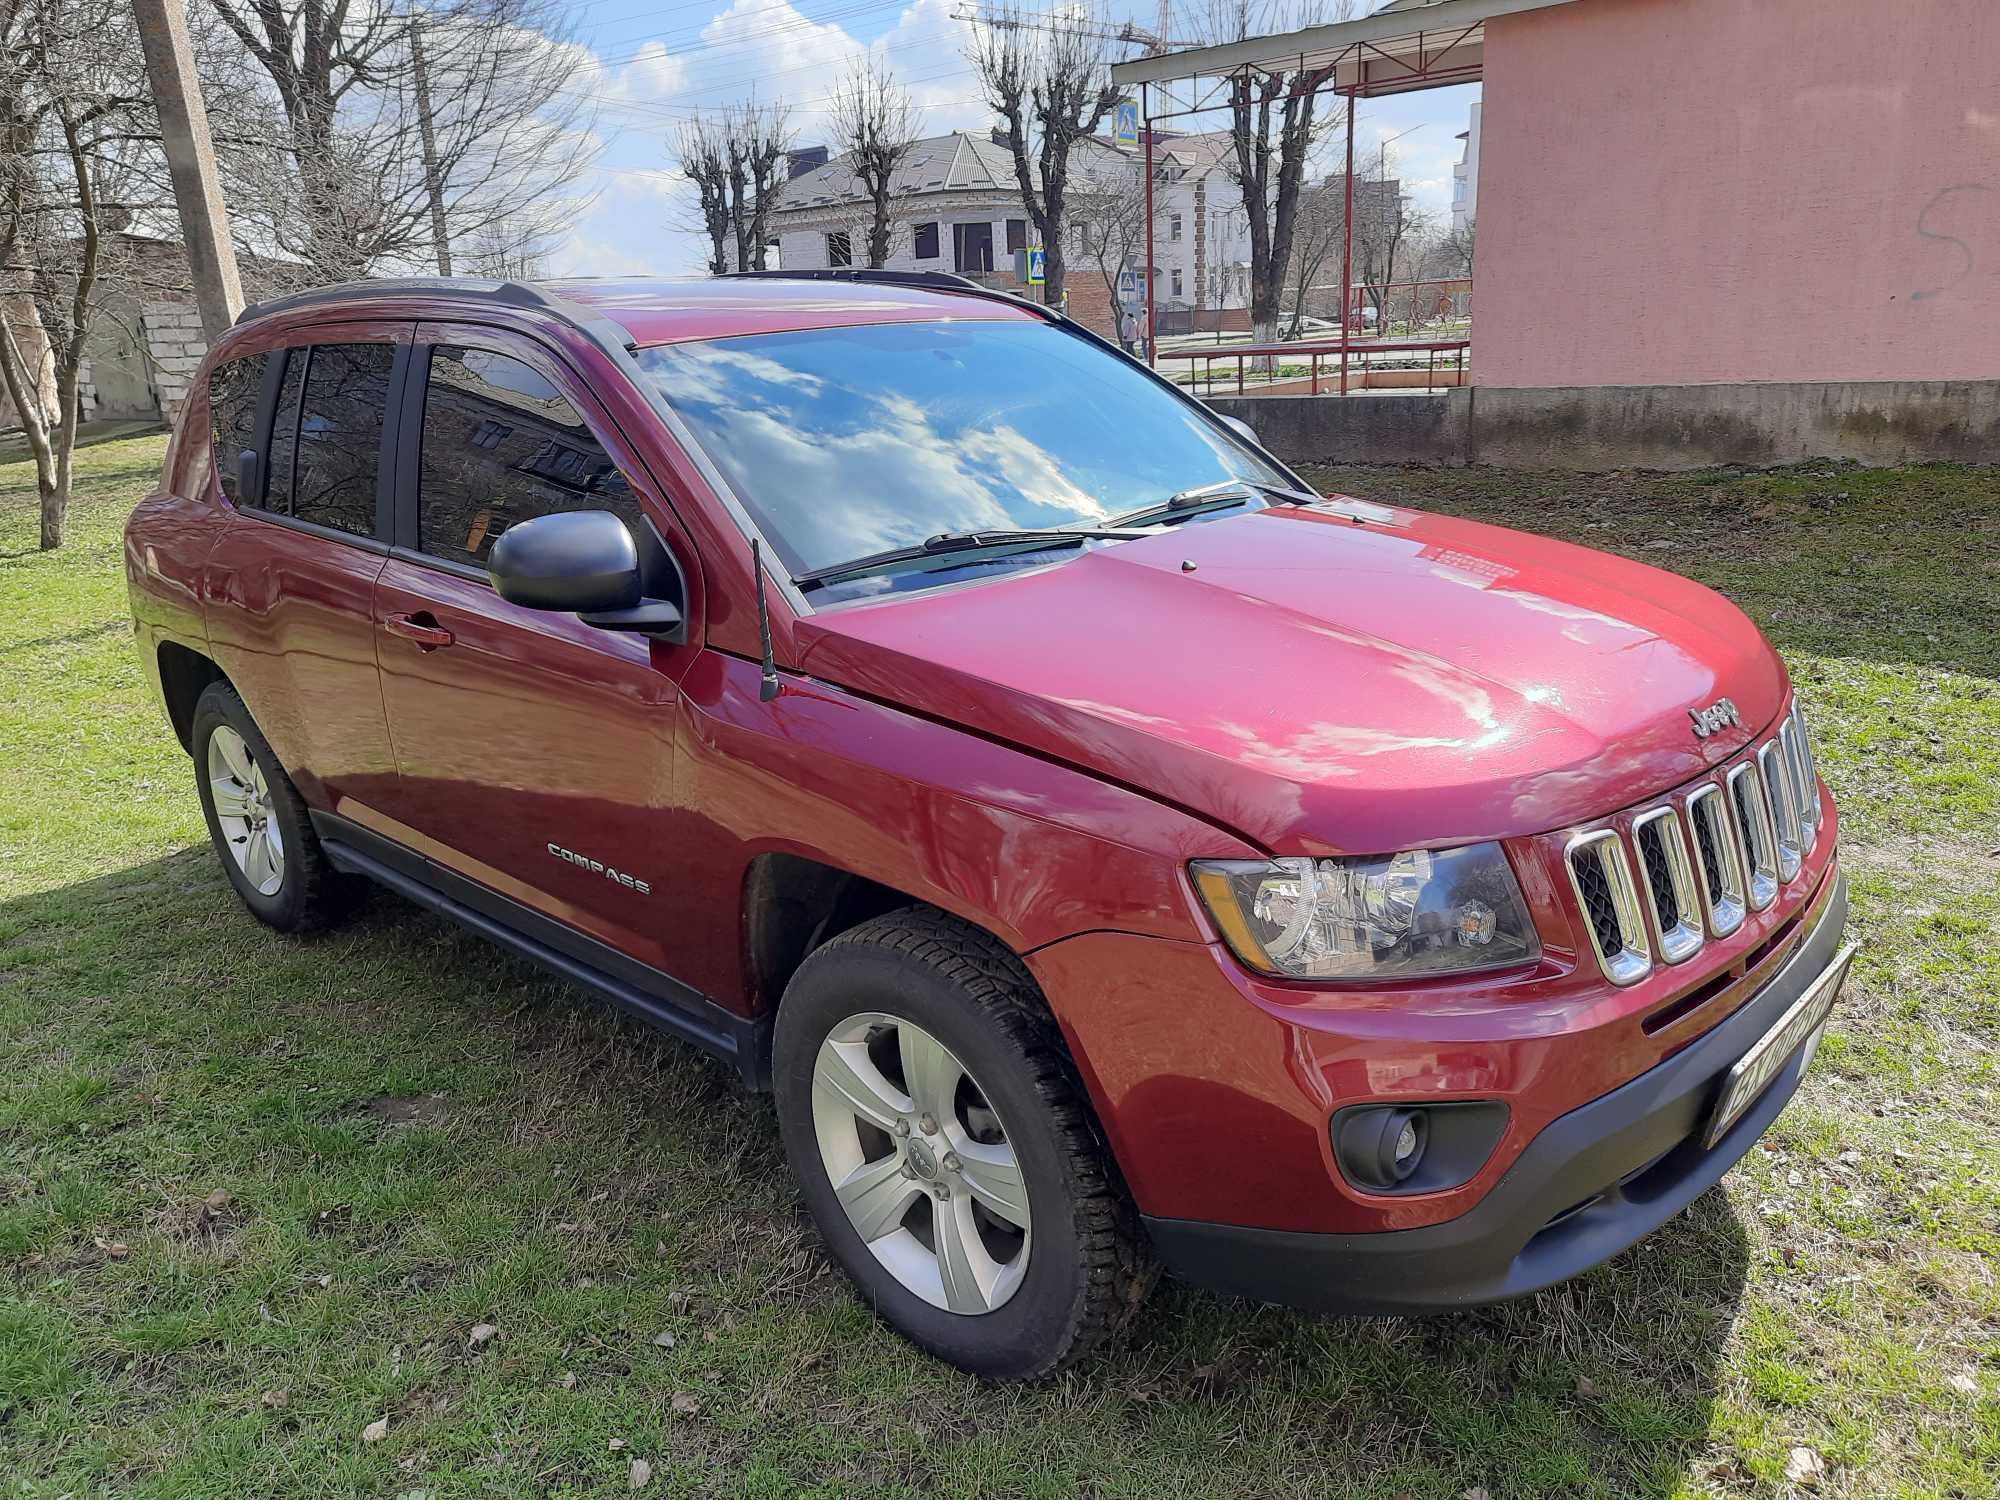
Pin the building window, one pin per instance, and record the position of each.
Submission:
(1174, 227)
(925, 246)
(839, 249)
(1177, 281)
(1017, 235)
(972, 248)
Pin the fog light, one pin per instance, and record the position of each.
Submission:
(1380, 1148)
(1416, 1148)
(1406, 1145)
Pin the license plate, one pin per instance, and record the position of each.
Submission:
(1755, 1069)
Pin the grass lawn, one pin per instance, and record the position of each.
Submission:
(255, 1194)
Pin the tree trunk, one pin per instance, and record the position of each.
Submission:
(427, 135)
(55, 511)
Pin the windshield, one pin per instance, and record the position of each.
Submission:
(844, 442)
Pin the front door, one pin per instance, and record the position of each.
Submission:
(535, 751)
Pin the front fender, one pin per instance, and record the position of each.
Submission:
(1031, 850)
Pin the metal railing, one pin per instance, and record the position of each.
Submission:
(1359, 359)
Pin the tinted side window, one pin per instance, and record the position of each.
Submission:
(233, 388)
(340, 435)
(285, 434)
(501, 445)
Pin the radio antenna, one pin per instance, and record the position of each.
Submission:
(769, 687)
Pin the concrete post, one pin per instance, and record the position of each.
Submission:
(191, 163)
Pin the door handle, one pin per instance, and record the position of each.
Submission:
(421, 627)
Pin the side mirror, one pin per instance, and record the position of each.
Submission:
(579, 561)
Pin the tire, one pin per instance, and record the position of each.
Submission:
(295, 889)
(903, 989)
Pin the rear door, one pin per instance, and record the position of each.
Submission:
(289, 588)
(535, 751)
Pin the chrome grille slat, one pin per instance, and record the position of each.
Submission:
(1805, 787)
(1669, 883)
(1776, 776)
(1718, 858)
(1601, 876)
(1753, 827)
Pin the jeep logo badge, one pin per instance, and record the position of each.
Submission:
(1718, 715)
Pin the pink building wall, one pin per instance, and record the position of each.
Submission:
(1682, 191)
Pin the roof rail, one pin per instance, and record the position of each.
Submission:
(512, 293)
(941, 281)
(936, 281)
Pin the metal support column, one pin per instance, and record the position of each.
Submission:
(1347, 249)
(1152, 327)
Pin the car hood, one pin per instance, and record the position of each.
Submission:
(1346, 678)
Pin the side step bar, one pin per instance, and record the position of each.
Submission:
(741, 1042)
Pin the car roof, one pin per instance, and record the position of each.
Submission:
(660, 310)
(664, 311)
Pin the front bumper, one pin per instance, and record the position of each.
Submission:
(1589, 1184)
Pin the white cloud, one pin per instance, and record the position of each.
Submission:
(643, 217)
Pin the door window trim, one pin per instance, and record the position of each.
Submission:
(277, 359)
(405, 528)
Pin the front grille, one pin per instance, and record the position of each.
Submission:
(1710, 854)
(1753, 825)
(1596, 893)
(1653, 860)
(1784, 810)
(1744, 836)
(1669, 882)
(1718, 858)
(1602, 878)
(1798, 772)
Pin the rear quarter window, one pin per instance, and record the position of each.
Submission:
(233, 389)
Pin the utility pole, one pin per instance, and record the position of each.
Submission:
(191, 163)
(433, 183)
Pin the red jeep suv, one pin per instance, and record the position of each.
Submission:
(1108, 852)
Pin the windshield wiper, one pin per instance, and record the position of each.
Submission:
(1188, 503)
(947, 542)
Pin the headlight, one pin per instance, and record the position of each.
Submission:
(1385, 917)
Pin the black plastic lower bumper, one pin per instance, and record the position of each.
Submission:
(1632, 1158)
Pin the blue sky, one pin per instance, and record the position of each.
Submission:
(651, 65)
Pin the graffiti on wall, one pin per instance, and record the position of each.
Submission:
(1964, 220)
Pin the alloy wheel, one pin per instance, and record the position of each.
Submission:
(244, 811)
(921, 1162)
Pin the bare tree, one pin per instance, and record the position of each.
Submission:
(368, 135)
(1455, 251)
(875, 127)
(1316, 230)
(1275, 128)
(1109, 222)
(74, 113)
(1048, 80)
(704, 161)
(757, 138)
(1384, 227)
(736, 158)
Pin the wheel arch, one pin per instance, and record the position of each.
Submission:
(793, 904)
(185, 674)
